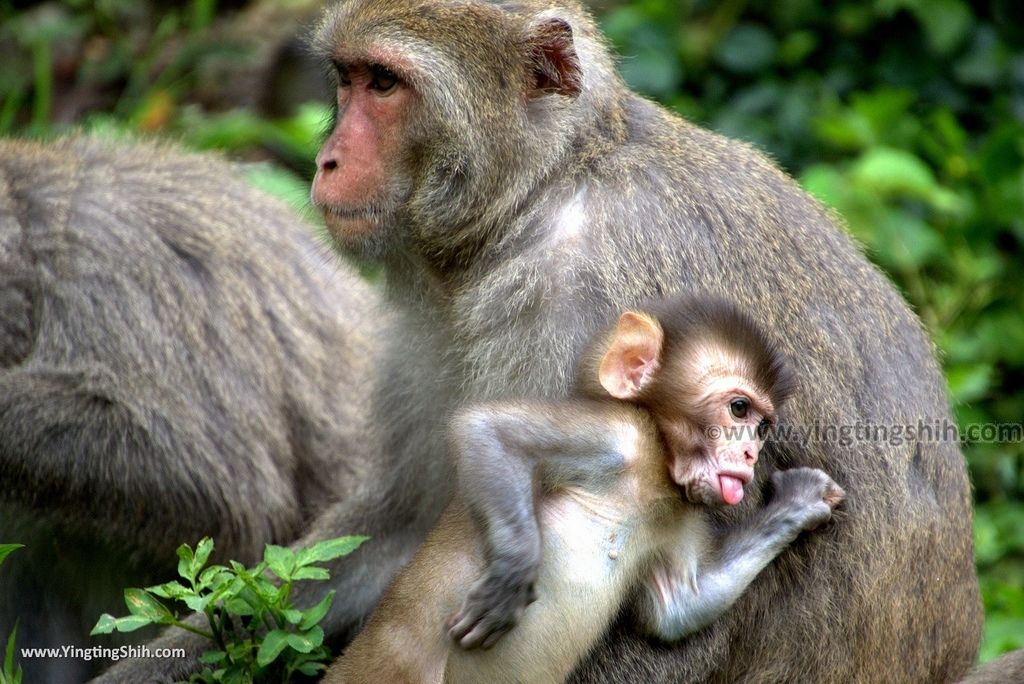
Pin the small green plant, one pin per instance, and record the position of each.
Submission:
(259, 636)
(10, 674)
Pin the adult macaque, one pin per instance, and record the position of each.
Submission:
(517, 196)
(177, 359)
(674, 401)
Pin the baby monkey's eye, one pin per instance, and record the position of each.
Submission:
(739, 408)
(763, 427)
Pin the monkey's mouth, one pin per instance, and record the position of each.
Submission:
(731, 482)
(731, 488)
(365, 213)
(347, 223)
(724, 487)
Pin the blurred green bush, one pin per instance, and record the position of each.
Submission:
(906, 116)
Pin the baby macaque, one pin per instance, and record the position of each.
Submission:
(567, 510)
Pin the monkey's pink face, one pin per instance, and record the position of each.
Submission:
(360, 179)
(714, 464)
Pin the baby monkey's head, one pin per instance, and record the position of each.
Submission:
(712, 380)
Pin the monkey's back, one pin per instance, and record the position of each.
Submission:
(167, 283)
(178, 358)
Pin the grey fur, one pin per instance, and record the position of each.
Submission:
(179, 357)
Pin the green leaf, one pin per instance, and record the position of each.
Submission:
(887, 112)
(212, 657)
(105, 625)
(845, 130)
(330, 549)
(311, 668)
(10, 673)
(236, 675)
(893, 172)
(304, 129)
(198, 603)
(649, 71)
(203, 550)
(968, 382)
(904, 241)
(273, 643)
(280, 560)
(170, 590)
(141, 603)
(239, 651)
(825, 183)
(259, 591)
(311, 574)
(983, 63)
(306, 641)
(239, 606)
(108, 624)
(292, 615)
(185, 558)
(212, 577)
(7, 549)
(312, 616)
(796, 46)
(1001, 634)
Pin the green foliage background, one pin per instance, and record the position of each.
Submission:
(906, 116)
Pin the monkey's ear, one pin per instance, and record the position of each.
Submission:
(556, 66)
(632, 356)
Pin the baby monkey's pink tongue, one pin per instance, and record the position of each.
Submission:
(732, 489)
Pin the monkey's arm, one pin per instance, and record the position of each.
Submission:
(682, 596)
(504, 451)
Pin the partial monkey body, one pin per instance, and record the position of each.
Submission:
(568, 511)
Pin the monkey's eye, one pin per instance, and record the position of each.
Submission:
(384, 81)
(763, 427)
(739, 408)
(344, 80)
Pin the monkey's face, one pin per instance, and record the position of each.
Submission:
(361, 181)
(446, 115)
(713, 447)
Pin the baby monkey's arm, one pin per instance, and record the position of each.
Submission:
(682, 595)
(508, 454)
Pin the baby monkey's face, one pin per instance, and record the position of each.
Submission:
(709, 384)
(714, 442)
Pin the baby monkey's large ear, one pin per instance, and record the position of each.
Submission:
(632, 356)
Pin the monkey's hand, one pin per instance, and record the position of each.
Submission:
(494, 605)
(807, 495)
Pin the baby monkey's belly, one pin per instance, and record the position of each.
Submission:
(589, 552)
